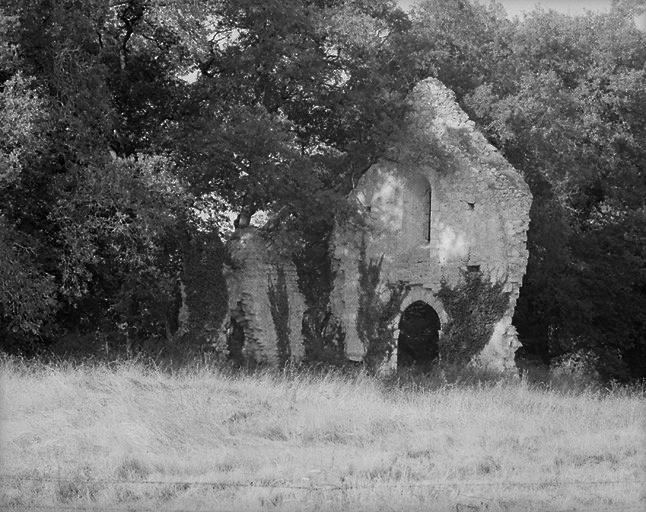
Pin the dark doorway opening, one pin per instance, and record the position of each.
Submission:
(419, 328)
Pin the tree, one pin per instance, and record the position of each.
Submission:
(93, 206)
(571, 123)
(291, 105)
(111, 188)
(562, 98)
(27, 293)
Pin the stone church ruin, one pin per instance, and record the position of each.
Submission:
(433, 273)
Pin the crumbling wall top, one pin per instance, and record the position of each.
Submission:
(438, 134)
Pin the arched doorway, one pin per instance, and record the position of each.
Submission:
(417, 345)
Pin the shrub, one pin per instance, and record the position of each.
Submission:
(474, 307)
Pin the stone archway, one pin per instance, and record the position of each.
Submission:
(418, 340)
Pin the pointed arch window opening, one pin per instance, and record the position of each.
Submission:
(428, 215)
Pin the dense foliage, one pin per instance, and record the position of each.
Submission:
(379, 304)
(129, 127)
(474, 308)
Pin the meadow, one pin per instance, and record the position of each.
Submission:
(130, 436)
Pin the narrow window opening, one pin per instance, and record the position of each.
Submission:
(428, 216)
(236, 336)
(471, 206)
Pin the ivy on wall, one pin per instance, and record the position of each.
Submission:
(279, 306)
(375, 314)
(323, 335)
(474, 308)
(205, 297)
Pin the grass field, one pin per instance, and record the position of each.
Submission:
(129, 437)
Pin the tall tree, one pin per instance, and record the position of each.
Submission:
(563, 98)
(293, 101)
(289, 103)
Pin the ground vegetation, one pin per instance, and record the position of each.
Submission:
(132, 435)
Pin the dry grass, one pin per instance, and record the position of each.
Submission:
(123, 436)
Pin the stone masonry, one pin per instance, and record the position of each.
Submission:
(443, 201)
(250, 273)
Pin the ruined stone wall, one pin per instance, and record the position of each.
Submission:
(441, 207)
(440, 167)
(251, 273)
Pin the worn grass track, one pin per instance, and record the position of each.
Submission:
(130, 437)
